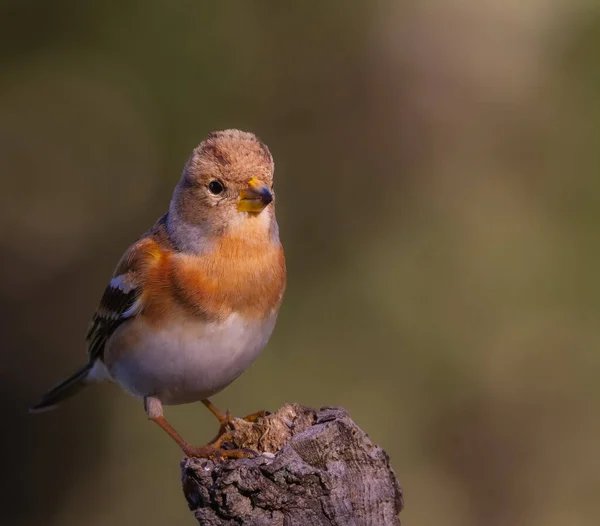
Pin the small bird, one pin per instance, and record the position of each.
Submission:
(193, 302)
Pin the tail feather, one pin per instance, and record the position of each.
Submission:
(66, 389)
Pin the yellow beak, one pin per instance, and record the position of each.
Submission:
(254, 198)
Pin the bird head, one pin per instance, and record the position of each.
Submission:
(226, 187)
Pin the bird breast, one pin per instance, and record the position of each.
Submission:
(185, 361)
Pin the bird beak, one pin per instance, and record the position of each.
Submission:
(254, 198)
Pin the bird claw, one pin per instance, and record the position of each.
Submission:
(254, 417)
(227, 423)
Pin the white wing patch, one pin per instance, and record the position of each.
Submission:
(123, 283)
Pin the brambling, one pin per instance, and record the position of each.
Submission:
(193, 302)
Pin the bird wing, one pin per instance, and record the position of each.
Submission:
(120, 302)
(123, 298)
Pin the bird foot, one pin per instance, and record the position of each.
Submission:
(227, 424)
(227, 421)
(254, 417)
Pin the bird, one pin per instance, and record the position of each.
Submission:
(193, 302)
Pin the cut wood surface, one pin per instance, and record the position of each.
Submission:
(315, 468)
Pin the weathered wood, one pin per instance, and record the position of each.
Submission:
(318, 468)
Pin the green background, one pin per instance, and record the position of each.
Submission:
(439, 203)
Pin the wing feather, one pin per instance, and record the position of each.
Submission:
(118, 304)
(123, 297)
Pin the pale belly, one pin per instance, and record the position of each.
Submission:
(186, 361)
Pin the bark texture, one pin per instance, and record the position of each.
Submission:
(316, 468)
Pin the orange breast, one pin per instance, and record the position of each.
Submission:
(238, 275)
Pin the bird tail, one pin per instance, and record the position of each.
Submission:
(66, 389)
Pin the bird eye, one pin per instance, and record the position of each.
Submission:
(215, 187)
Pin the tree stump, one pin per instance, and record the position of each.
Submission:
(316, 468)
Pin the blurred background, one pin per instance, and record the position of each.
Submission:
(438, 197)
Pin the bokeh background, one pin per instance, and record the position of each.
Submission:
(439, 202)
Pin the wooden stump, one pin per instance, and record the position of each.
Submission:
(317, 468)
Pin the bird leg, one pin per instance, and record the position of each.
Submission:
(212, 450)
(224, 419)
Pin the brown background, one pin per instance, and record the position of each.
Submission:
(438, 197)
